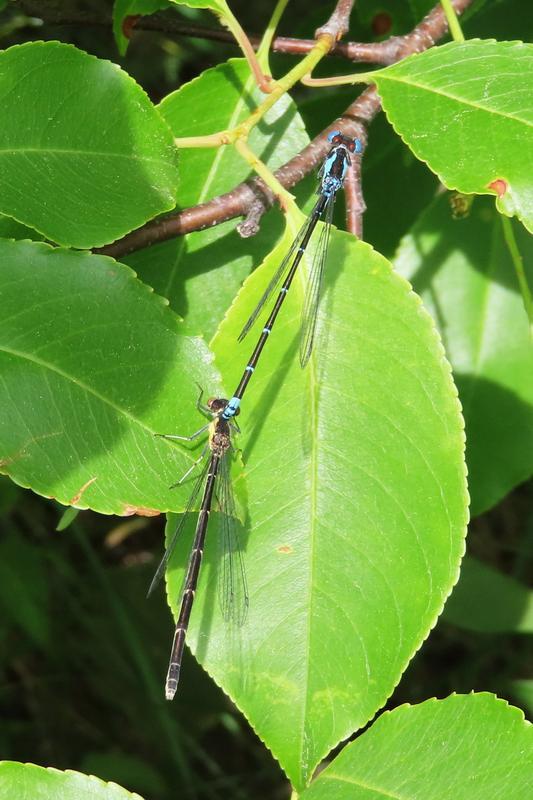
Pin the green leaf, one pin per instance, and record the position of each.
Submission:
(469, 747)
(464, 273)
(200, 274)
(487, 601)
(92, 365)
(465, 108)
(217, 6)
(11, 229)
(67, 518)
(28, 780)
(123, 9)
(357, 508)
(93, 160)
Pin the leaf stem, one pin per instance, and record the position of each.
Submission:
(231, 22)
(518, 264)
(453, 22)
(339, 80)
(321, 48)
(285, 198)
(268, 36)
(279, 88)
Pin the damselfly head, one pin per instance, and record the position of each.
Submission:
(337, 138)
(218, 404)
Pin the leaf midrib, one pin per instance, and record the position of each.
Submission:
(313, 385)
(81, 384)
(326, 775)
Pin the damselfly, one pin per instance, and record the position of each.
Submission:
(332, 175)
(215, 479)
(234, 595)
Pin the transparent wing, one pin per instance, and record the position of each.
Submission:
(278, 274)
(160, 571)
(314, 286)
(232, 585)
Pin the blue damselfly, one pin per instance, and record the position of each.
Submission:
(332, 175)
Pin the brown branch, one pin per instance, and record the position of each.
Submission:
(432, 28)
(339, 22)
(355, 203)
(381, 53)
(251, 198)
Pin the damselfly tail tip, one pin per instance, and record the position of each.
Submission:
(170, 692)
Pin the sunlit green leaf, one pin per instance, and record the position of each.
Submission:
(92, 364)
(467, 109)
(469, 747)
(84, 156)
(357, 508)
(218, 6)
(28, 780)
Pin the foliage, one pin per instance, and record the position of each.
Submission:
(458, 100)
(350, 475)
